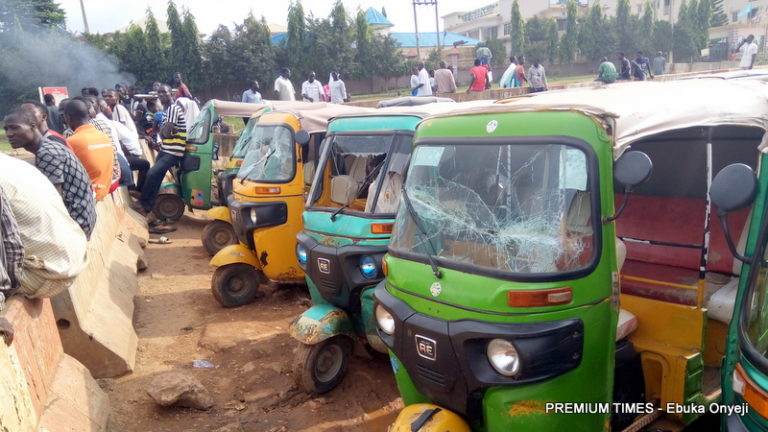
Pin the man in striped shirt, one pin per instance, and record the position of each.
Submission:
(174, 137)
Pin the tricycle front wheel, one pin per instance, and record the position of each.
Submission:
(321, 367)
(236, 284)
(217, 235)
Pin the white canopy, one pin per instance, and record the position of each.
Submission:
(234, 109)
(314, 117)
(641, 109)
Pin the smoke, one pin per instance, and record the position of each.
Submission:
(50, 58)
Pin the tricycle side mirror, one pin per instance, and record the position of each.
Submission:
(302, 137)
(631, 169)
(733, 188)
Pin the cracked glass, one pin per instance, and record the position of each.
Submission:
(270, 155)
(515, 208)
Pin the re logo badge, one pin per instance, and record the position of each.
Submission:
(324, 265)
(426, 347)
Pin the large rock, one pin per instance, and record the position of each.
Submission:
(180, 389)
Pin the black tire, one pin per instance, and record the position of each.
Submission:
(168, 207)
(321, 367)
(217, 235)
(236, 285)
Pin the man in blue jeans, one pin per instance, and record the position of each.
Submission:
(174, 137)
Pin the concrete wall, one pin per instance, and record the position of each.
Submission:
(95, 316)
(41, 387)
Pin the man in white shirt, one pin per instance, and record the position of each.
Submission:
(54, 244)
(119, 112)
(748, 49)
(337, 88)
(283, 86)
(425, 88)
(311, 89)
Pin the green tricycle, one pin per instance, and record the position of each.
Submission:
(347, 225)
(201, 168)
(570, 261)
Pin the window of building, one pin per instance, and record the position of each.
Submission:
(491, 32)
(561, 24)
(507, 28)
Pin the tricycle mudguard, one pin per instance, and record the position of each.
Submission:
(428, 418)
(220, 213)
(234, 254)
(320, 322)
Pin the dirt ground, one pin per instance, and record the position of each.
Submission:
(178, 321)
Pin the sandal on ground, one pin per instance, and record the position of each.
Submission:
(162, 229)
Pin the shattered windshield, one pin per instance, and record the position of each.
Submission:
(270, 155)
(244, 140)
(354, 170)
(515, 208)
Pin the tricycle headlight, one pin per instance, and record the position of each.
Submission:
(301, 253)
(253, 215)
(385, 320)
(368, 266)
(503, 357)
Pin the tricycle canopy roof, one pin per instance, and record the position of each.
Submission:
(642, 109)
(235, 109)
(314, 117)
(409, 101)
(421, 111)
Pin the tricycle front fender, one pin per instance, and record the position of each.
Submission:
(233, 254)
(220, 213)
(319, 323)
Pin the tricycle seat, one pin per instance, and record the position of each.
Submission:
(626, 324)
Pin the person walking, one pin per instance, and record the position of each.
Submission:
(444, 80)
(181, 89)
(479, 74)
(425, 88)
(337, 89)
(537, 77)
(283, 87)
(312, 89)
(520, 77)
(659, 64)
(607, 72)
(508, 77)
(414, 81)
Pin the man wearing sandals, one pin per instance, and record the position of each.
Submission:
(174, 136)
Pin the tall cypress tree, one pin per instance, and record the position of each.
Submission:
(157, 54)
(192, 63)
(517, 30)
(719, 18)
(570, 39)
(176, 54)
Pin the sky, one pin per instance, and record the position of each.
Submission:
(105, 16)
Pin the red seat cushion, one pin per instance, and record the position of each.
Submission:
(659, 282)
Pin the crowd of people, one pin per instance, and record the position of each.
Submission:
(84, 147)
(312, 90)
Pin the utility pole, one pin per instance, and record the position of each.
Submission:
(416, 25)
(85, 19)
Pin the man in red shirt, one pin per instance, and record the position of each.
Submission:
(479, 76)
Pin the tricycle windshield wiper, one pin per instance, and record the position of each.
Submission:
(359, 190)
(423, 232)
(264, 159)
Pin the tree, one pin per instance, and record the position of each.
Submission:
(175, 25)
(386, 51)
(517, 30)
(192, 61)
(341, 37)
(294, 39)
(685, 38)
(719, 18)
(662, 36)
(646, 30)
(365, 62)
(592, 34)
(537, 34)
(157, 52)
(31, 14)
(570, 38)
(553, 41)
(623, 30)
(703, 16)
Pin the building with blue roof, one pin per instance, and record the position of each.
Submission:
(377, 20)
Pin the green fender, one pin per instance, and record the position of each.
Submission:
(321, 322)
(220, 213)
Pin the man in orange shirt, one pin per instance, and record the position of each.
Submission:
(93, 148)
